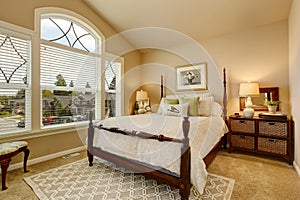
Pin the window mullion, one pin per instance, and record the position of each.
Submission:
(35, 82)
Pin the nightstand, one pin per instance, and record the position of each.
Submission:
(269, 136)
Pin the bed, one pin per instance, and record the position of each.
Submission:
(165, 146)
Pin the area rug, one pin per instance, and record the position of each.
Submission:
(104, 181)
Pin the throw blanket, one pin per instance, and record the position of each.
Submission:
(204, 133)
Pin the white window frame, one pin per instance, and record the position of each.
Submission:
(34, 36)
(119, 83)
(11, 30)
(71, 16)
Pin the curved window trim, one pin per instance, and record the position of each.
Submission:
(71, 31)
(70, 15)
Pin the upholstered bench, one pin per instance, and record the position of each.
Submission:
(7, 151)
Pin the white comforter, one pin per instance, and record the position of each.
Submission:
(204, 133)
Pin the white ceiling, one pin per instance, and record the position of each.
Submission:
(199, 19)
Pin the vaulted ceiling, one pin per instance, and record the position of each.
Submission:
(199, 19)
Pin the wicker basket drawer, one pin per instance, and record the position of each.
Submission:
(242, 141)
(272, 145)
(243, 126)
(273, 128)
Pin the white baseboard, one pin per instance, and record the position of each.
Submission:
(45, 158)
(297, 168)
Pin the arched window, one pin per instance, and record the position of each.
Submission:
(68, 33)
(70, 67)
(62, 66)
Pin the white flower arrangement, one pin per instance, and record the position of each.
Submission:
(190, 76)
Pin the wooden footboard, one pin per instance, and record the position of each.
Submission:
(182, 181)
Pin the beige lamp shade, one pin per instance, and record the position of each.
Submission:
(249, 89)
(141, 95)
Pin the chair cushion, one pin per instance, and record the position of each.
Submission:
(9, 147)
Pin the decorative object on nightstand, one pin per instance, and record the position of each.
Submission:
(273, 116)
(272, 106)
(148, 109)
(141, 96)
(269, 134)
(136, 107)
(248, 90)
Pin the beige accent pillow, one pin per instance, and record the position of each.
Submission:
(205, 106)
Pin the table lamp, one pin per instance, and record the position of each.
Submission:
(141, 96)
(249, 90)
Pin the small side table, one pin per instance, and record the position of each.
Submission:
(7, 151)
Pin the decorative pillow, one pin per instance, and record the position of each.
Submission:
(193, 105)
(175, 109)
(171, 101)
(166, 101)
(205, 106)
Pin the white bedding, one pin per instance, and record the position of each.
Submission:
(204, 133)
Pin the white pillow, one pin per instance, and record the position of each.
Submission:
(180, 110)
(206, 103)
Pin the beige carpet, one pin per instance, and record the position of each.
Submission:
(103, 181)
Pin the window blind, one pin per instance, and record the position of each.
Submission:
(78, 68)
(15, 81)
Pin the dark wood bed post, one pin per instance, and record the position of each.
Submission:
(224, 139)
(185, 162)
(224, 96)
(161, 86)
(90, 139)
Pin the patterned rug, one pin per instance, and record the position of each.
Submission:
(104, 181)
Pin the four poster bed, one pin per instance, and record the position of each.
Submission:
(158, 147)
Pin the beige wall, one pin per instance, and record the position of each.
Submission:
(294, 72)
(259, 54)
(21, 13)
(132, 78)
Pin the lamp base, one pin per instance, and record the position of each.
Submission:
(248, 112)
(141, 111)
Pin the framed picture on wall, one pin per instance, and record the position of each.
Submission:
(191, 77)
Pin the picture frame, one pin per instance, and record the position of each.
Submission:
(191, 77)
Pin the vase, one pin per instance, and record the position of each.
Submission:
(272, 109)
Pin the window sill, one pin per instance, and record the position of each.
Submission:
(44, 131)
